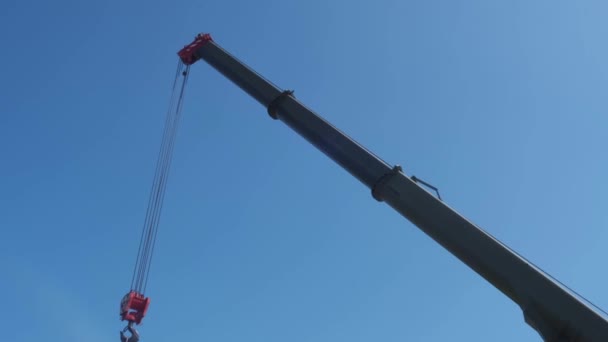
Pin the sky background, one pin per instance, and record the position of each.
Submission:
(501, 105)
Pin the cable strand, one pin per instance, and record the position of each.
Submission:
(155, 202)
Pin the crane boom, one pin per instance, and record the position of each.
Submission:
(551, 309)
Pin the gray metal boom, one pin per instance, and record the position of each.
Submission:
(553, 311)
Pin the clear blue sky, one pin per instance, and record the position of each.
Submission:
(502, 105)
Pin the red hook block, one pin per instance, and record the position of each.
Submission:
(133, 307)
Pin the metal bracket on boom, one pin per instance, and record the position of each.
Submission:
(272, 110)
(378, 188)
(418, 180)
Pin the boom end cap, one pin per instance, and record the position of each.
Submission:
(187, 54)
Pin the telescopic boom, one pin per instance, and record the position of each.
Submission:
(553, 311)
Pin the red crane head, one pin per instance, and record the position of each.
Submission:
(187, 53)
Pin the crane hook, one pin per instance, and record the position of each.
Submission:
(134, 334)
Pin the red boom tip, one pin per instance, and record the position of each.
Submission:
(187, 53)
